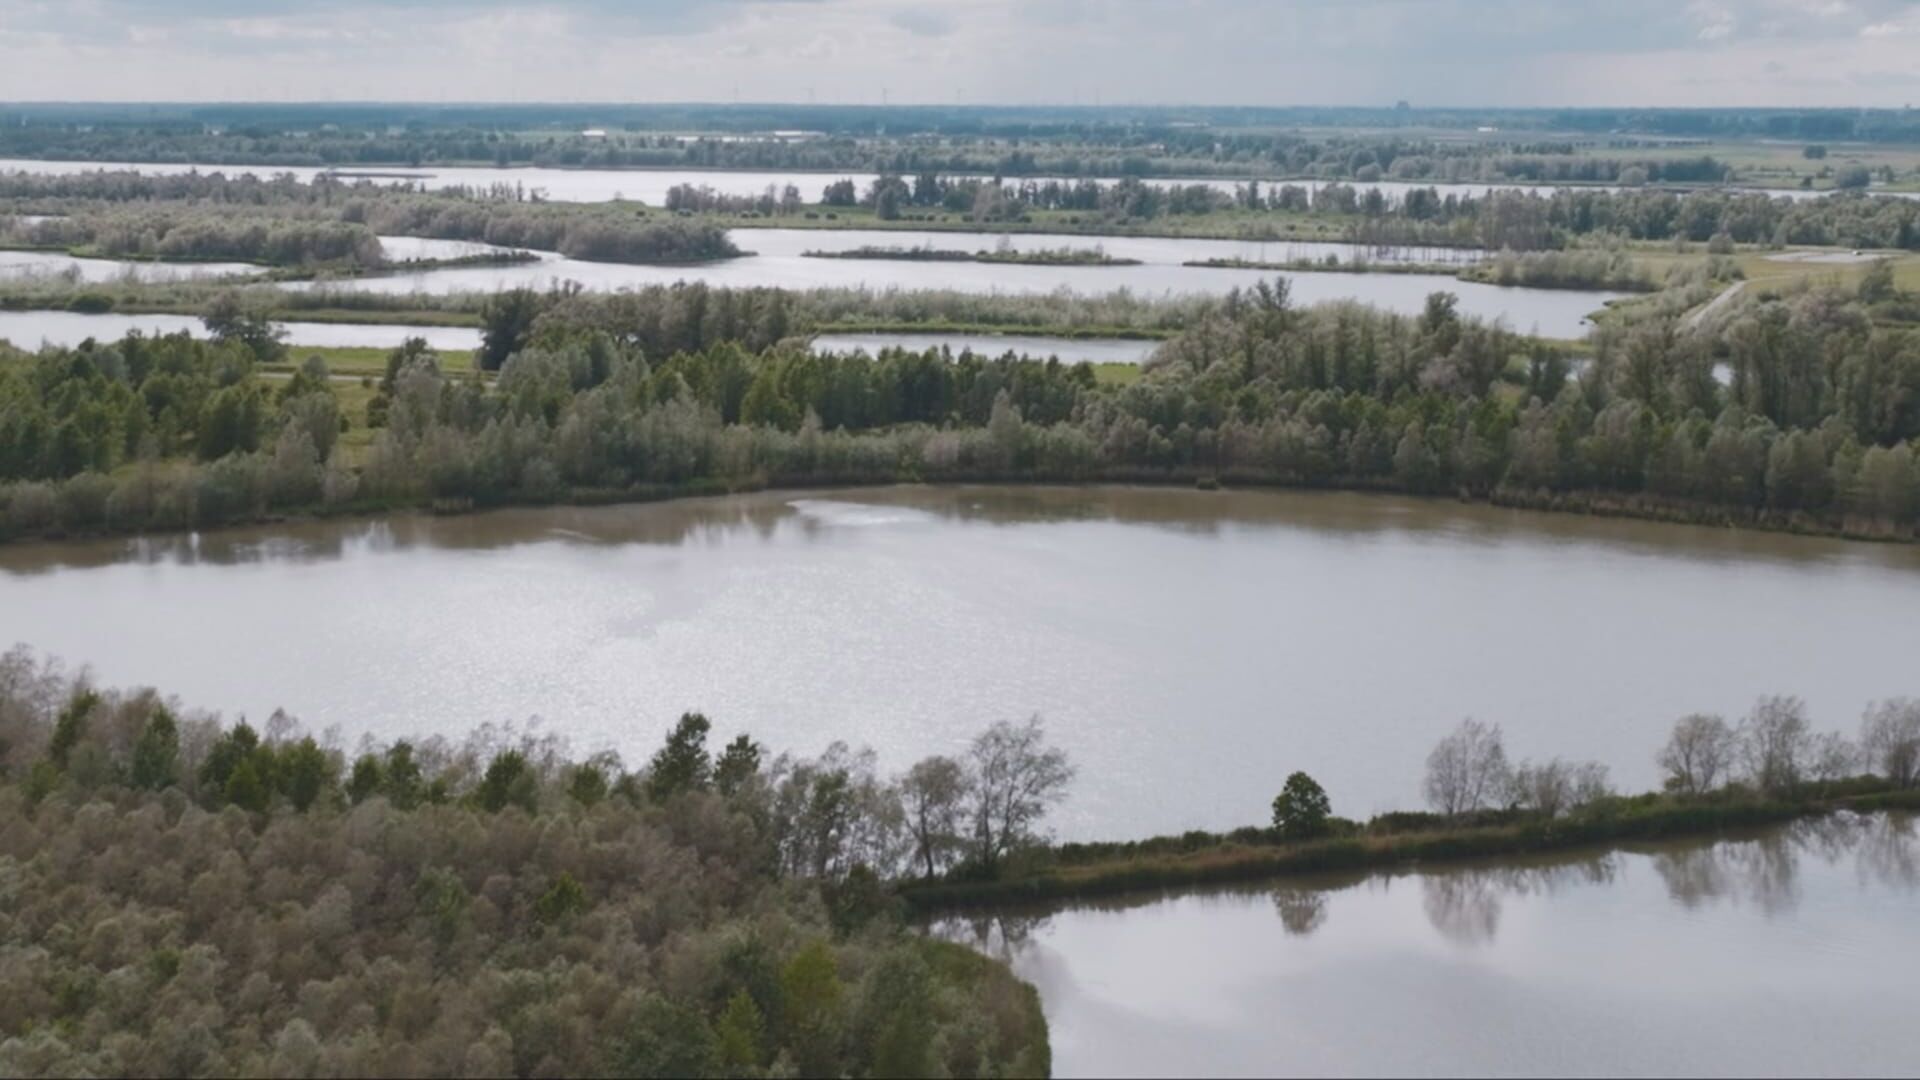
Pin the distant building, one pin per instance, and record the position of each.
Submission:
(594, 133)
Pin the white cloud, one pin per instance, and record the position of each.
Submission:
(1431, 52)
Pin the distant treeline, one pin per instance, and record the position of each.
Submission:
(1521, 220)
(332, 221)
(1137, 140)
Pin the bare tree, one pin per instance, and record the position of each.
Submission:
(1556, 786)
(1890, 740)
(934, 794)
(1468, 769)
(1830, 757)
(1699, 754)
(1775, 743)
(1016, 777)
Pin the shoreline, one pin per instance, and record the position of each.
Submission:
(1632, 506)
(1237, 857)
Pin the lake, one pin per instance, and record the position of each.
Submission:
(1189, 649)
(778, 260)
(1782, 952)
(31, 329)
(1069, 350)
(34, 264)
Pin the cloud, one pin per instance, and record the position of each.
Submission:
(923, 22)
(1431, 52)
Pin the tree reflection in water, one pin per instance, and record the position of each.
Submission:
(1301, 910)
(1464, 903)
(1764, 869)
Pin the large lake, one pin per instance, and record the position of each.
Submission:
(1189, 649)
(1784, 952)
(778, 259)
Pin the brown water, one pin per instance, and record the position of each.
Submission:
(1188, 648)
(1784, 952)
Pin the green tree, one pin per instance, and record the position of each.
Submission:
(814, 1001)
(665, 1039)
(506, 320)
(682, 764)
(509, 781)
(231, 317)
(365, 779)
(587, 785)
(70, 726)
(738, 764)
(156, 753)
(305, 772)
(245, 788)
(563, 898)
(226, 755)
(1301, 809)
(741, 1034)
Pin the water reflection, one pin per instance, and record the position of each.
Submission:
(707, 520)
(1790, 946)
(1464, 903)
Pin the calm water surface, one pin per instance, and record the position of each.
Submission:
(1188, 648)
(1069, 350)
(1786, 952)
(778, 260)
(31, 329)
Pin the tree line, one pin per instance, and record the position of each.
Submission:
(283, 221)
(1792, 411)
(188, 897)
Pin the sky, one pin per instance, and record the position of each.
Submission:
(1226, 52)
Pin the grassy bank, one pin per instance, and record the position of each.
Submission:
(1077, 871)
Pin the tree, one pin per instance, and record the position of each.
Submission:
(741, 1034)
(682, 764)
(813, 1004)
(1468, 770)
(506, 321)
(664, 1039)
(935, 793)
(304, 772)
(1698, 754)
(70, 726)
(1302, 808)
(739, 763)
(1016, 778)
(588, 783)
(1556, 786)
(1813, 151)
(563, 898)
(1852, 177)
(509, 781)
(1877, 283)
(1890, 739)
(1774, 743)
(232, 317)
(156, 753)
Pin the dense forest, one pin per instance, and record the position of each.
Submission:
(187, 898)
(1791, 411)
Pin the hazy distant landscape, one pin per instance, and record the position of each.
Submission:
(858, 542)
